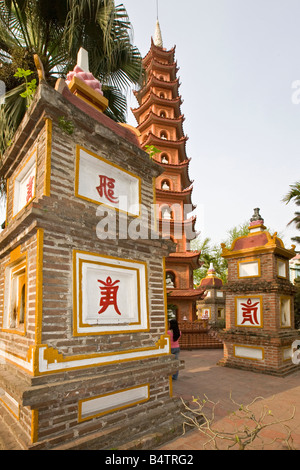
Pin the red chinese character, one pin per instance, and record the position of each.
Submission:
(29, 187)
(109, 295)
(107, 189)
(250, 312)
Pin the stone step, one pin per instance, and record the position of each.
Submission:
(12, 436)
(156, 423)
(165, 434)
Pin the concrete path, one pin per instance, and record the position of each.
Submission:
(202, 376)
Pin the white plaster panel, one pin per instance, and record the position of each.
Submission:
(250, 269)
(114, 401)
(24, 185)
(125, 187)
(249, 312)
(116, 288)
(281, 268)
(248, 353)
(287, 354)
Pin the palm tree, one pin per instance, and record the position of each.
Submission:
(209, 254)
(294, 195)
(55, 31)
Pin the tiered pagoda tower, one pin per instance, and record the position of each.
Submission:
(160, 124)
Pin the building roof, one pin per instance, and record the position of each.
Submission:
(153, 81)
(179, 144)
(257, 241)
(192, 257)
(161, 52)
(166, 121)
(174, 103)
(195, 294)
(211, 279)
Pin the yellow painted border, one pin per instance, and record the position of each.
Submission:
(97, 333)
(260, 297)
(34, 426)
(19, 267)
(53, 356)
(257, 348)
(98, 263)
(290, 299)
(47, 180)
(122, 407)
(17, 258)
(35, 183)
(7, 201)
(165, 296)
(274, 244)
(155, 206)
(10, 410)
(39, 286)
(206, 308)
(77, 165)
(246, 261)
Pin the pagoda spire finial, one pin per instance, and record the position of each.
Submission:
(157, 36)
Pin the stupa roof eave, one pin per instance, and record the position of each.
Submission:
(185, 191)
(153, 117)
(165, 142)
(165, 145)
(154, 64)
(157, 99)
(161, 50)
(152, 81)
(185, 293)
(153, 58)
(180, 168)
(175, 166)
(180, 141)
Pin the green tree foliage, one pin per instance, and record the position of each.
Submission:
(213, 253)
(294, 195)
(55, 31)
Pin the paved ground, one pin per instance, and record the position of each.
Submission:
(202, 376)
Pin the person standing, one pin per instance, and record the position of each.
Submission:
(174, 334)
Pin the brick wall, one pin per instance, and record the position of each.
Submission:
(50, 229)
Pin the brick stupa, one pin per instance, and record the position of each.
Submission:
(259, 334)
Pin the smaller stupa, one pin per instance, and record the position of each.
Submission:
(212, 306)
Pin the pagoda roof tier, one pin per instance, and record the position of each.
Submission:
(155, 81)
(162, 144)
(156, 65)
(160, 52)
(174, 225)
(195, 294)
(155, 118)
(180, 168)
(192, 257)
(174, 103)
(175, 166)
(183, 196)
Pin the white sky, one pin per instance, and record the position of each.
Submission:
(238, 60)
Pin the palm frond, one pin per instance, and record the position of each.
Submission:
(11, 115)
(55, 31)
(117, 103)
(293, 194)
